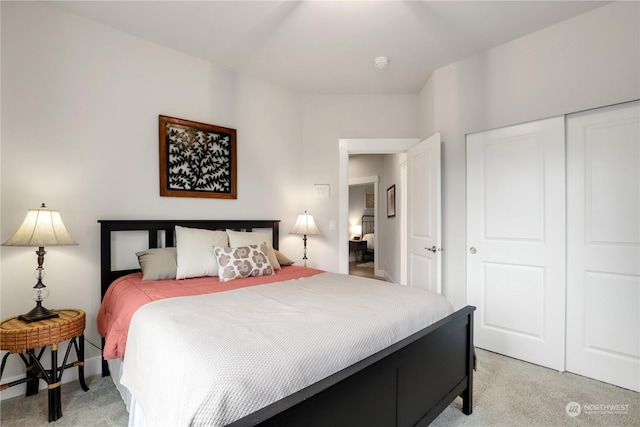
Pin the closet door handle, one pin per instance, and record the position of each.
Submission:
(432, 249)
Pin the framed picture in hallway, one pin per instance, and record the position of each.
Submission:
(369, 200)
(391, 201)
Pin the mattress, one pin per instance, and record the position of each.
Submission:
(214, 358)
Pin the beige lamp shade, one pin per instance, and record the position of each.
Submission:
(305, 225)
(41, 227)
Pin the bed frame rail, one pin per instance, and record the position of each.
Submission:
(407, 384)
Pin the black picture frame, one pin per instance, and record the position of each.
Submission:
(391, 201)
(197, 159)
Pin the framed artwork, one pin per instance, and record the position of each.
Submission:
(369, 200)
(197, 159)
(322, 190)
(391, 201)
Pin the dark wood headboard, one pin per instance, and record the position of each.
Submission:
(167, 227)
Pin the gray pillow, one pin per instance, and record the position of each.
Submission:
(158, 264)
(283, 260)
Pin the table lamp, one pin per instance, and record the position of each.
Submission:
(41, 227)
(305, 225)
(357, 231)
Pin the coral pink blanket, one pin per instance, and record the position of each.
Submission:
(130, 292)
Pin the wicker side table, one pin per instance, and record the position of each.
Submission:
(18, 337)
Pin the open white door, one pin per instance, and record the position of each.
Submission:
(516, 240)
(423, 219)
(603, 238)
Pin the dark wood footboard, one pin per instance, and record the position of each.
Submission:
(407, 384)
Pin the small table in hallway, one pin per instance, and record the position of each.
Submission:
(356, 246)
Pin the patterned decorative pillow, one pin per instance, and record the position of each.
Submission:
(246, 238)
(245, 261)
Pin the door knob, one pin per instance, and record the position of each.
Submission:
(432, 249)
(473, 250)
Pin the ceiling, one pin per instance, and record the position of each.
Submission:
(328, 47)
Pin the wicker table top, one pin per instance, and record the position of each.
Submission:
(17, 336)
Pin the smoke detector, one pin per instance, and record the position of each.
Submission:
(381, 62)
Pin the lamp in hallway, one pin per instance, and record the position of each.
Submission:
(357, 231)
(304, 226)
(41, 227)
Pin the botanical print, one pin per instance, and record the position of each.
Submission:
(196, 159)
(369, 200)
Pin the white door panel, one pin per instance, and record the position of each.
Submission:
(506, 286)
(509, 211)
(423, 204)
(603, 238)
(516, 240)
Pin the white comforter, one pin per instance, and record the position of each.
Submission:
(370, 239)
(212, 359)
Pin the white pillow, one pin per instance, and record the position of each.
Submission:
(194, 248)
(242, 238)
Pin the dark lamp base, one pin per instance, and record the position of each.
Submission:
(38, 313)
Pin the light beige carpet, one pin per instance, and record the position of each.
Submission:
(507, 392)
(101, 406)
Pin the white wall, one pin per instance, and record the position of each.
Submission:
(80, 106)
(365, 165)
(326, 119)
(389, 228)
(586, 62)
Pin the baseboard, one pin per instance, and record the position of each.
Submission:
(92, 366)
(382, 273)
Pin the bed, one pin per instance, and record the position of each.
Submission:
(408, 382)
(368, 230)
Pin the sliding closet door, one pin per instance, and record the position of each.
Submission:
(516, 240)
(603, 238)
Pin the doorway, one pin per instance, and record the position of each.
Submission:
(363, 214)
(361, 146)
